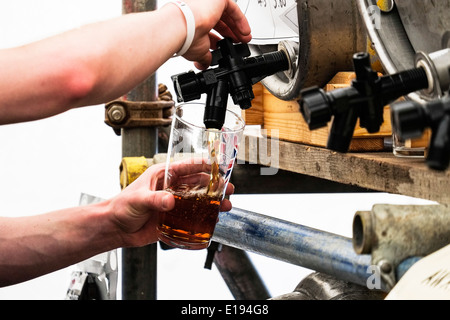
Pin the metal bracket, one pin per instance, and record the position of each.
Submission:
(121, 114)
(94, 278)
(394, 233)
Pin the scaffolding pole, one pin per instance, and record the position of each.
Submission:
(139, 264)
(299, 245)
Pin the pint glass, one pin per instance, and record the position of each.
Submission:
(208, 156)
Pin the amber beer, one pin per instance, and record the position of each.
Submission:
(207, 157)
(191, 223)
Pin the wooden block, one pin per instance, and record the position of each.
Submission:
(340, 80)
(255, 115)
(422, 142)
(285, 117)
(369, 144)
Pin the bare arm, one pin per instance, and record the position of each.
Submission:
(36, 245)
(100, 62)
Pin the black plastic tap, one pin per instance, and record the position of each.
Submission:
(410, 119)
(364, 100)
(234, 74)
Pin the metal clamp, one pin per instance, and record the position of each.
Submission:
(129, 114)
(394, 233)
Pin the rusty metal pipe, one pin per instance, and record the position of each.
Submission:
(393, 233)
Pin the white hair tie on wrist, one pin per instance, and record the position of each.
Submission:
(190, 26)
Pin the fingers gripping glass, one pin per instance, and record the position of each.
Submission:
(198, 170)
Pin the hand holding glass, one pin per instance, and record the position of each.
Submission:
(209, 155)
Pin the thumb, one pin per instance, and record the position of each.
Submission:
(204, 62)
(160, 201)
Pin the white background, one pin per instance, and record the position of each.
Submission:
(45, 165)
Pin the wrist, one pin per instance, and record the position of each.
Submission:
(103, 227)
(190, 25)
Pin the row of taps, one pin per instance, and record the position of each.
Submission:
(233, 72)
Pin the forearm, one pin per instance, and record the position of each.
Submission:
(36, 245)
(87, 66)
(132, 48)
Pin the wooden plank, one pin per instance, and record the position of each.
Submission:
(247, 179)
(378, 171)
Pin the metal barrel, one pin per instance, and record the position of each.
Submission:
(321, 49)
(400, 30)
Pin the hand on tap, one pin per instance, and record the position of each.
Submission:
(222, 16)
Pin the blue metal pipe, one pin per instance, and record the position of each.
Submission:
(405, 265)
(293, 243)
